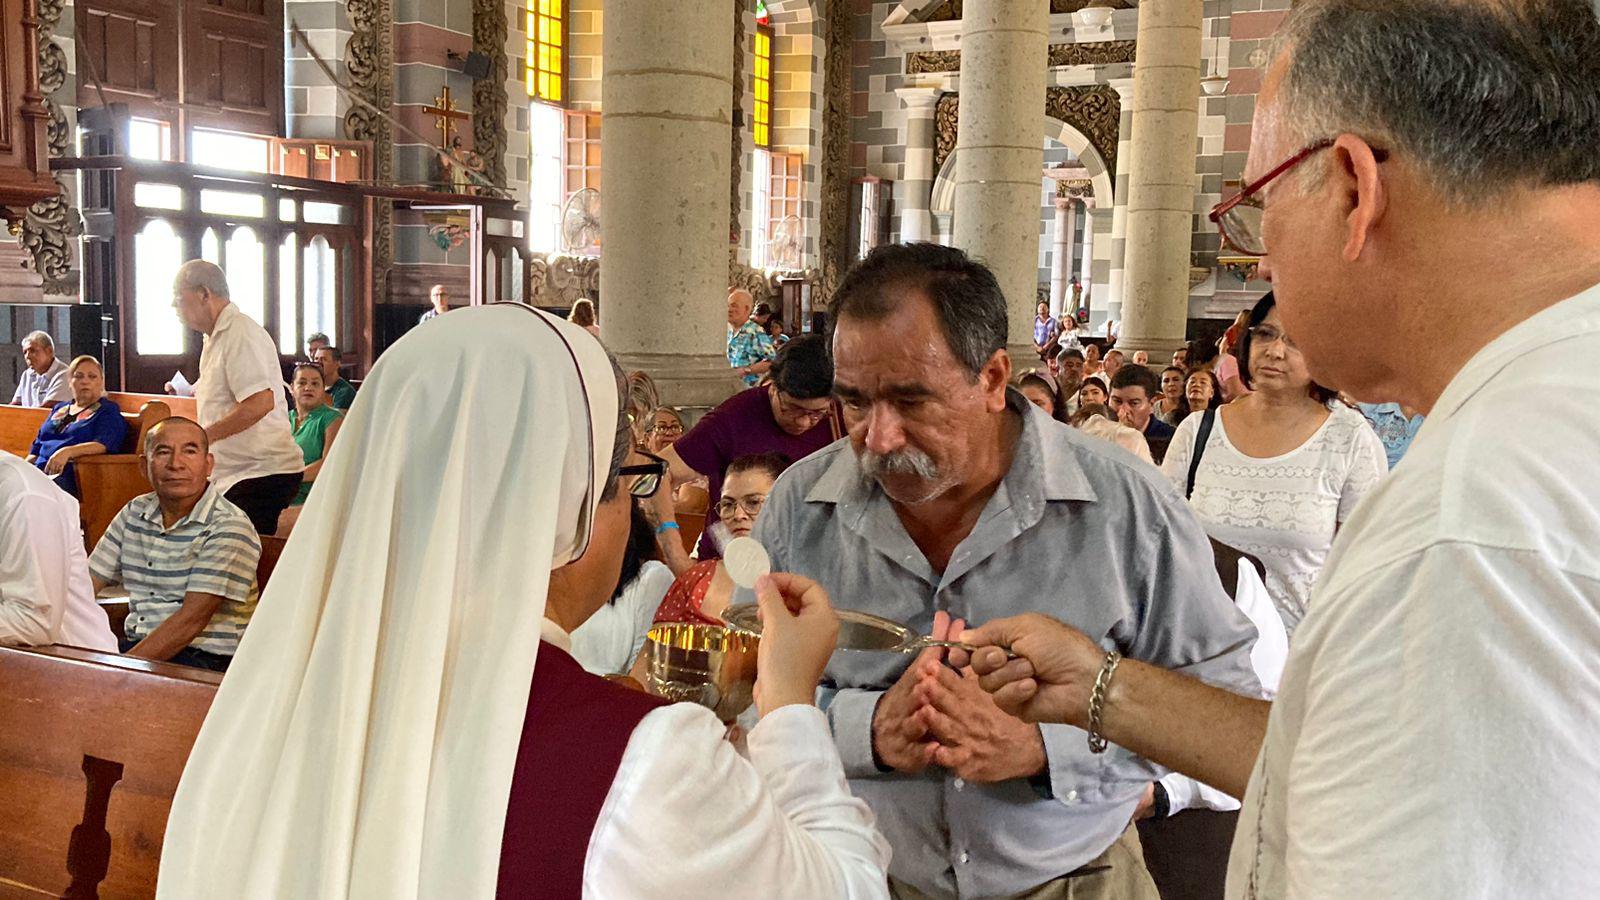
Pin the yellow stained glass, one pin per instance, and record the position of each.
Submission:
(761, 88)
(545, 50)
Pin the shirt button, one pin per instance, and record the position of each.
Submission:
(965, 856)
(960, 783)
(1072, 797)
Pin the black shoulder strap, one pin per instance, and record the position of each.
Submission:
(1203, 434)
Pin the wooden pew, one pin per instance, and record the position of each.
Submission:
(19, 425)
(91, 749)
(107, 482)
(178, 406)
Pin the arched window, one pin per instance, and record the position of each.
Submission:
(288, 297)
(321, 296)
(246, 268)
(157, 254)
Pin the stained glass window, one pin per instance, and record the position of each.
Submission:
(762, 18)
(545, 68)
(761, 87)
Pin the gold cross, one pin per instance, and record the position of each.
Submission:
(445, 110)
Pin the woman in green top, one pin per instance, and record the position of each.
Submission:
(314, 422)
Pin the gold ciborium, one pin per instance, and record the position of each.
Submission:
(705, 664)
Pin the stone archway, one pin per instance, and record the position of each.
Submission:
(942, 199)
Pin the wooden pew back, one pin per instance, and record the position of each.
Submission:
(91, 749)
(177, 406)
(19, 425)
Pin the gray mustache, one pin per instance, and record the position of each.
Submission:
(901, 462)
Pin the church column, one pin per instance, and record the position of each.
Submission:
(1161, 176)
(1086, 273)
(1000, 150)
(1061, 256)
(916, 222)
(1111, 295)
(667, 104)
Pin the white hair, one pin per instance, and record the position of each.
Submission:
(41, 339)
(197, 274)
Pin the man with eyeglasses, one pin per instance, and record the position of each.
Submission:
(794, 416)
(1434, 731)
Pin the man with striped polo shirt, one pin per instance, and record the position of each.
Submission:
(186, 555)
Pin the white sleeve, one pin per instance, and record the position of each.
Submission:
(689, 817)
(33, 573)
(1176, 464)
(1447, 744)
(1367, 462)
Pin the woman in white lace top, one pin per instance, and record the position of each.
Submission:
(1282, 467)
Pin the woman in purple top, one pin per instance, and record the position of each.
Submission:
(795, 415)
(86, 424)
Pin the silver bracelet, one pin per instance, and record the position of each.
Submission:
(1097, 700)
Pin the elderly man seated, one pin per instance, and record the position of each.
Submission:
(185, 553)
(44, 382)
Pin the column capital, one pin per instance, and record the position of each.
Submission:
(918, 96)
(1065, 202)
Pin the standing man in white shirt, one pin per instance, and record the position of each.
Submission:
(44, 382)
(1434, 732)
(45, 595)
(240, 398)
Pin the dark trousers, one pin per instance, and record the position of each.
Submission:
(188, 656)
(264, 499)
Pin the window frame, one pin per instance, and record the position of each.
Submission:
(761, 73)
(533, 11)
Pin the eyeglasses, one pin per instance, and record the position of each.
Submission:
(1266, 336)
(1239, 217)
(796, 411)
(750, 505)
(649, 473)
(667, 428)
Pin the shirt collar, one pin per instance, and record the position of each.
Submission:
(555, 636)
(230, 311)
(201, 513)
(1574, 318)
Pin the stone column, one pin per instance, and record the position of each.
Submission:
(667, 97)
(1086, 273)
(1111, 293)
(1061, 256)
(916, 223)
(1000, 150)
(1161, 176)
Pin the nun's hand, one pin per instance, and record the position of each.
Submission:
(798, 633)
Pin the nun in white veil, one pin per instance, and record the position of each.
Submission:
(364, 741)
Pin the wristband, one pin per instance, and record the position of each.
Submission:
(1097, 701)
(665, 527)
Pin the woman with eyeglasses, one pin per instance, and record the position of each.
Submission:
(702, 593)
(1280, 468)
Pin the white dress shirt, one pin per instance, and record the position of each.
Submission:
(45, 594)
(34, 389)
(609, 642)
(237, 360)
(1435, 732)
(689, 817)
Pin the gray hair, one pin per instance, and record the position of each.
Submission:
(198, 275)
(41, 339)
(1483, 94)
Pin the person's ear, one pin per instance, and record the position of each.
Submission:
(993, 378)
(1364, 196)
(211, 463)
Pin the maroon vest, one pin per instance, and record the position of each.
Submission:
(573, 738)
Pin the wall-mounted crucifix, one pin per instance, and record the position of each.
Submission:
(444, 109)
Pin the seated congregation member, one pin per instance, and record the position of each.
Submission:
(1097, 420)
(1093, 392)
(316, 342)
(666, 426)
(342, 392)
(1281, 468)
(794, 416)
(314, 425)
(44, 381)
(1200, 393)
(1091, 361)
(185, 553)
(1041, 393)
(1112, 363)
(439, 303)
(489, 764)
(705, 590)
(83, 426)
(775, 330)
(582, 315)
(1134, 390)
(1046, 332)
(609, 642)
(1171, 402)
(1069, 378)
(45, 593)
(750, 350)
(952, 499)
(240, 398)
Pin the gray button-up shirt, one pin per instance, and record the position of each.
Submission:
(1078, 529)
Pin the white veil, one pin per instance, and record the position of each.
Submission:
(363, 742)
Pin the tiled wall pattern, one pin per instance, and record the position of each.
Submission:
(313, 107)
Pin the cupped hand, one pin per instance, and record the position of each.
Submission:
(971, 735)
(1051, 678)
(899, 738)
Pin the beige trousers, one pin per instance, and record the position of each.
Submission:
(1117, 874)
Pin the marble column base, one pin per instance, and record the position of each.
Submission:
(694, 382)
